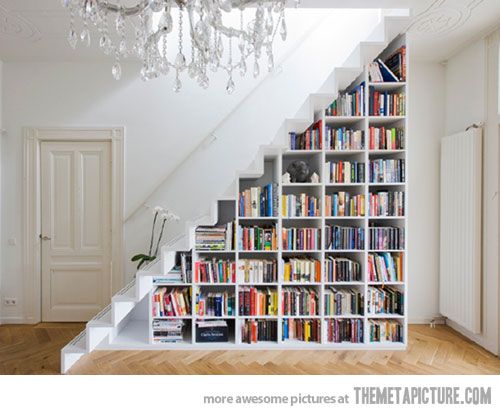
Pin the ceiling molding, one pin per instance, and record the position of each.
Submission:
(14, 25)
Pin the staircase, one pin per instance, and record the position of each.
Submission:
(103, 329)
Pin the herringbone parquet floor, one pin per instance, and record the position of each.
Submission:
(35, 350)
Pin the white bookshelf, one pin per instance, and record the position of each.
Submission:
(274, 167)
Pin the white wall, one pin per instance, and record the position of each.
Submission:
(426, 127)
(1, 195)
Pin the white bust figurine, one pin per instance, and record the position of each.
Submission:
(314, 178)
(286, 178)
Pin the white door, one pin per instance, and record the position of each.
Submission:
(76, 227)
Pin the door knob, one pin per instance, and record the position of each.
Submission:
(45, 238)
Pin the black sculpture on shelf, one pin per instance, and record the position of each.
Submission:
(299, 171)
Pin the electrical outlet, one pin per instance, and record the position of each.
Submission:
(10, 301)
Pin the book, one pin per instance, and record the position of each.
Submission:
(255, 238)
(387, 237)
(348, 104)
(215, 271)
(343, 301)
(396, 63)
(344, 138)
(171, 302)
(386, 73)
(253, 331)
(387, 171)
(218, 304)
(385, 267)
(306, 330)
(344, 238)
(214, 238)
(301, 239)
(384, 103)
(342, 270)
(212, 331)
(343, 204)
(257, 270)
(168, 331)
(385, 300)
(311, 139)
(301, 270)
(257, 202)
(254, 301)
(382, 138)
(299, 301)
(345, 171)
(301, 205)
(341, 330)
(387, 203)
(381, 330)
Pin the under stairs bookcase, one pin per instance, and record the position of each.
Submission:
(324, 326)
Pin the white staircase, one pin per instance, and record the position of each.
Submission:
(105, 326)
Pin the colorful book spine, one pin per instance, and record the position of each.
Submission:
(254, 331)
(382, 138)
(171, 302)
(344, 238)
(345, 171)
(383, 331)
(257, 302)
(301, 239)
(344, 139)
(349, 104)
(383, 103)
(387, 171)
(343, 204)
(301, 329)
(342, 270)
(257, 271)
(215, 304)
(302, 205)
(387, 238)
(341, 302)
(301, 270)
(257, 202)
(385, 203)
(385, 300)
(254, 238)
(215, 271)
(311, 139)
(342, 330)
(299, 301)
(385, 267)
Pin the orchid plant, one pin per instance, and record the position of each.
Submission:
(160, 218)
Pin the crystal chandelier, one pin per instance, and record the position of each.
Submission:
(213, 45)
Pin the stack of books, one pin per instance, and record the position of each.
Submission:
(253, 331)
(339, 302)
(349, 104)
(385, 203)
(301, 239)
(387, 171)
(218, 304)
(257, 271)
(167, 331)
(387, 238)
(345, 172)
(343, 204)
(341, 238)
(302, 205)
(344, 139)
(257, 301)
(385, 301)
(301, 329)
(255, 238)
(297, 301)
(214, 238)
(301, 270)
(342, 270)
(344, 330)
(385, 267)
(215, 271)
(382, 138)
(257, 202)
(385, 331)
(311, 139)
(168, 302)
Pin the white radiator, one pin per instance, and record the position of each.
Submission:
(461, 208)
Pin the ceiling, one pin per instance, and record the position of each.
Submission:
(36, 30)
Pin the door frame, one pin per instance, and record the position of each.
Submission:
(33, 138)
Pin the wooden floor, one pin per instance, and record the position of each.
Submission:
(36, 350)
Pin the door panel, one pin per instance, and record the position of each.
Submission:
(76, 216)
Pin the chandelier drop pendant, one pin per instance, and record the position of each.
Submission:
(146, 29)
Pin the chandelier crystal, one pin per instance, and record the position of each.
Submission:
(214, 46)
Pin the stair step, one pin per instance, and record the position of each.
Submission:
(103, 319)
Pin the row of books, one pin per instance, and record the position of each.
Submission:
(301, 329)
(257, 270)
(168, 331)
(255, 238)
(386, 203)
(342, 270)
(383, 103)
(171, 302)
(344, 238)
(214, 238)
(387, 238)
(382, 138)
(339, 302)
(393, 69)
(311, 139)
(344, 139)
(341, 330)
(387, 171)
(299, 301)
(302, 205)
(253, 331)
(345, 171)
(381, 330)
(349, 104)
(385, 300)
(343, 204)
(215, 271)
(257, 202)
(385, 267)
(257, 301)
(218, 304)
(301, 270)
(301, 239)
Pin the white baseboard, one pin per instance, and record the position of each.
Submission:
(419, 320)
(14, 320)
